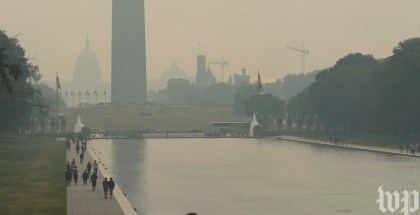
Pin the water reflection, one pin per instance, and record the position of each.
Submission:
(126, 162)
(253, 176)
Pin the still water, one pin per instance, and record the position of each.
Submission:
(252, 176)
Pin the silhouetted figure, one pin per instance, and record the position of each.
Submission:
(95, 167)
(89, 167)
(85, 176)
(401, 147)
(111, 186)
(73, 164)
(75, 175)
(68, 175)
(68, 165)
(93, 179)
(82, 156)
(105, 187)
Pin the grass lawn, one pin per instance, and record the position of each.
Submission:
(31, 176)
(170, 118)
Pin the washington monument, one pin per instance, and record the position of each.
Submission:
(129, 81)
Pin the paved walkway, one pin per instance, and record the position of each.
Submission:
(82, 200)
(351, 146)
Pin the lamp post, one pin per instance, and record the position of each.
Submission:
(80, 97)
(87, 97)
(72, 98)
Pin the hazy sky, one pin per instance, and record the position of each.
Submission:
(248, 33)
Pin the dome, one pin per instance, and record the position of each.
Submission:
(87, 63)
(173, 72)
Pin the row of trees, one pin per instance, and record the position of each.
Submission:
(290, 85)
(361, 93)
(183, 92)
(243, 98)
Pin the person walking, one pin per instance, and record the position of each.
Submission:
(77, 147)
(85, 176)
(95, 167)
(105, 187)
(89, 167)
(111, 186)
(93, 179)
(68, 175)
(73, 163)
(75, 175)
(82, 156)
(68, 165)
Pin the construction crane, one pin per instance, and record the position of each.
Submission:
(222, 64)
(304, 52)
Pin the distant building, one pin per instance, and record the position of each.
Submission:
(173, 72)
(129, 79)
(241, 79)
(87, 77)
(87, 73)
(203, 77)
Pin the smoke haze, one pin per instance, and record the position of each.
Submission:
(251, 34)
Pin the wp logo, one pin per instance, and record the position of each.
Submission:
(405, 203)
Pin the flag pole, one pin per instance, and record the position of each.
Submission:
(57, 103)
(259, 84)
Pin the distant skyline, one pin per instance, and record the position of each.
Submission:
(249, 34)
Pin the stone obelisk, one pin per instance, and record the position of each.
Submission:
(129, 80)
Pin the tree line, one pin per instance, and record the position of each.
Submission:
(361, 93)
(20, 96)
(184, 92)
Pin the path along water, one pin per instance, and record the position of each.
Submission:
(81, 200)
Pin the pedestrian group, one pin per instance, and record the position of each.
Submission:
(72, 172)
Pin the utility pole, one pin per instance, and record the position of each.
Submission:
(58, 88)
(105, 96)
(72, 98)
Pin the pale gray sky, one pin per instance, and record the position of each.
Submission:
(248, 33)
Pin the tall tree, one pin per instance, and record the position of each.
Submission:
(18, 77)
(364, 94)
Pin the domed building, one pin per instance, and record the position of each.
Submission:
(87, 71)
(173, 72)
(87, 86)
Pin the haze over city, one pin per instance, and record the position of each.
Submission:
(196, 107)
(250, 34)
